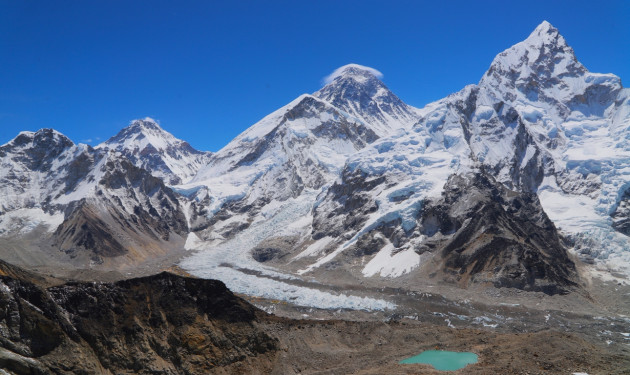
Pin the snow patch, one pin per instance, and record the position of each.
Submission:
(387, 264)
(25, 220)
(315, 248)
(193, 242)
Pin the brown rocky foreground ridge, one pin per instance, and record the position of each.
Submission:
(170, 324)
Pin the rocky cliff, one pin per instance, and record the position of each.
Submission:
(163, 324)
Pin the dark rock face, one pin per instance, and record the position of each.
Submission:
(487, 233)
(480, 230)
(273, 249)
(84, 229)
(346, 204)
(621, 215)
(266, 254)
(156, 207)
(96, 224)
(159, 324)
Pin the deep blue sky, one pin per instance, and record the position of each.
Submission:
(207, 70)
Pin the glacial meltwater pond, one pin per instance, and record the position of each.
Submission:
(443, 360)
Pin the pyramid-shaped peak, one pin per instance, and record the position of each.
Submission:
(544, 54)
(544, 45)
(146, 127)
(358, 91)
(145, 123)
(545, 28)
(546, 34)
(353, 71)
(139, 134)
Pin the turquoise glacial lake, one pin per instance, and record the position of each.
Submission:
(443, 360)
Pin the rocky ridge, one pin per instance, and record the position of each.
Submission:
(163, 323)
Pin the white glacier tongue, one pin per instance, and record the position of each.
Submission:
(232, 263)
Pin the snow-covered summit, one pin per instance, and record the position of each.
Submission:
(45, 135)
(544, 48)
(38, 170)
(358, 91)
(149, 146)
(140, 134)
(354, 71)
(543, 68)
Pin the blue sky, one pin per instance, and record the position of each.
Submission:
(207, 70)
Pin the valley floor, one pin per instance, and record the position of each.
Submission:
(346, 347)
(512, 331)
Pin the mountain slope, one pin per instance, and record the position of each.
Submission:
(578, 123)
(173, 325)
(538, 122)
(488, 233)
(531, 127)
(82, 206)
(150, 147)
(297, 149)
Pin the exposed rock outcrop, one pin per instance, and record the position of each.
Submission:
(164, 324)
(488, 233)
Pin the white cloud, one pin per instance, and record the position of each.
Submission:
(90, 140)
(340, 70)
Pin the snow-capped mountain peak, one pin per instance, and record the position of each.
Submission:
(543, 69)
(544, 48)
(141, 134)
(48, 136)
(149, 146)
(547, 34)
(358, 91)
(356, 72)
(39, 150)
